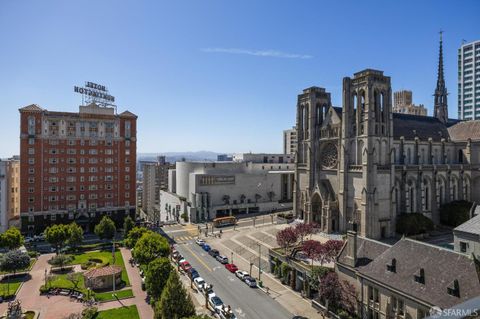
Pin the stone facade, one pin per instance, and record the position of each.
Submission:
(402, 103)
(361, 165)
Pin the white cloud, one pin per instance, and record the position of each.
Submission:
(262, 53)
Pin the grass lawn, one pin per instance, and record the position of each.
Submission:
(105, 256)
(130, 312)
(12, 283)
(107, 296)
(29, 315)
(61, 281)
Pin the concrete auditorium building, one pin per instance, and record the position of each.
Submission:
(361, 165)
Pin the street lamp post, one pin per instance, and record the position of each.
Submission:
(259, 259)
(231, 259)
(251, 264)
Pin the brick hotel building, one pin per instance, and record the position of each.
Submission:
(76, 166)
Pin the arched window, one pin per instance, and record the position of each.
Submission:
(460, 156)
(409, 156)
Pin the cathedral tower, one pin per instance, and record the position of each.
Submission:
(440, 96)
(365, 179)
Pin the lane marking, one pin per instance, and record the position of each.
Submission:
(198, 258)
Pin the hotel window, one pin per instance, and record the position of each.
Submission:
(71, 143)
(71, 151)
(82, 178)
(92, 170)
(31, 170)
(70, 188)
(92, 161)
(127, 195)
(71, 170)
(109, 151)
(31, 151)
(127, 129)
(31, 218)
(127, 152)
(108, 178)
(53, 179)
(463, 247)
(108, 186)
(108, 169)
(92, 142)
(127, 143)
(53, 188)
(109, 160)
(30, 189)
(71, 179)
(93, 151)
(31, 125)
(127, 169)
(127, 177)
(53, 217)
(31, 141)
(31, 199)
(31, 161)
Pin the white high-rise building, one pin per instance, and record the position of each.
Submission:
(469, 81)
(290, 141)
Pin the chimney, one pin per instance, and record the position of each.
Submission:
(351, 248)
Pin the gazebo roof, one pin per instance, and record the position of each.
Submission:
(104, 271)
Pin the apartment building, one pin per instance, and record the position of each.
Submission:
(76, 166)
(469, 81)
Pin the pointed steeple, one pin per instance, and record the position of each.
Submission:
(440, 100)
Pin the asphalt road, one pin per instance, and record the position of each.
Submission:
(247, 303)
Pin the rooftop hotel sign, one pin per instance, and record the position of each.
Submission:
(97, 93)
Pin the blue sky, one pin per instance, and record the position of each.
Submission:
(218, 75)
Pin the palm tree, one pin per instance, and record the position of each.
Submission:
(271, 195)
(226, 199)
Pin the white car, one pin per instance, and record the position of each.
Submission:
(200, 242)
(215, 303)
(199, 283)
(241, 274)
(28, 239)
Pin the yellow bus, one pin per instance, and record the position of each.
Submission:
(224, 221)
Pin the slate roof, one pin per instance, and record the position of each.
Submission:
(411, 126)
(465, 130)
(471, 226)
(441, 268)
(31, 107)
(367, 251)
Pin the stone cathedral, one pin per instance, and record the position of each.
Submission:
(360, 165)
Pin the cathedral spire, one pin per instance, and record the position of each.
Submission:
(440, 100)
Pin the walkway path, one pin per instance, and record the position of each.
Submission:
(140, 299)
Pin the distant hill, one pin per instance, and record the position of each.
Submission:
(173, 157)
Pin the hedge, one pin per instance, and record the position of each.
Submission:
(413, 224)
(455, 213)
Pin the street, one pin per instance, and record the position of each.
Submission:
(246, 302)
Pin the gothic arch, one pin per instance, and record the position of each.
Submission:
(316, 211)
(426, 193)
(441, 190)
(454, 187)
(467, 187)
(411, 195)
(360, 148)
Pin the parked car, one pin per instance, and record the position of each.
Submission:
(241, 274)
(227, 313)
(215, 303)
(200, 242)
(193, 273)
(185, 266)
(222, 259)
(199, 283)
(180, 261)
(206, 247)
(28, 239)
(251, 282)
(214, 253)
(231, 267)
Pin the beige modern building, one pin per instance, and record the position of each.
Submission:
(290, 141)
(205, 190)
(9, 193)
(402, 103)
(407, 279)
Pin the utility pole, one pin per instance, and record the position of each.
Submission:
(259, 259)
(251, 264)
(231, 258)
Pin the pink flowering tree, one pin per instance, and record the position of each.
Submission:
(304, 229)
(312, 249)
(286, 238)
(338, 294)
(330, 250)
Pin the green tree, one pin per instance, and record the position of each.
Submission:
(57, 235)
(175, 302)
(134, 235)
(12, 261)
(106, 228)
(75, 278)
(156, 276)
(75, 235)
(128, 225)
(150, 246)
(60, 260)
(11, 239)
